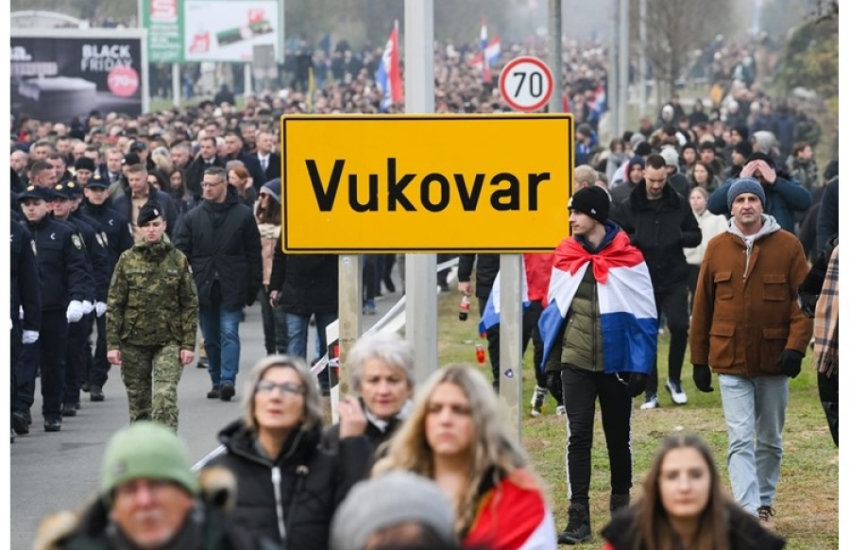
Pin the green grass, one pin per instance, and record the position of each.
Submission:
(807, 495)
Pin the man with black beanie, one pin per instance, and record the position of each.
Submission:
(592, 364)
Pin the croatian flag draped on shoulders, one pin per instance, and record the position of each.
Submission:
(626, 300)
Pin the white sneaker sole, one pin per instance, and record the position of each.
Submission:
(679, 398)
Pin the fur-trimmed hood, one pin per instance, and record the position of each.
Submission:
(218, 491)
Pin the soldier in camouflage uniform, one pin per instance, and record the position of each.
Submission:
(152, 320)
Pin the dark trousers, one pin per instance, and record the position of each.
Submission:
(387, 274)
(828, 392)
(26, 368)
(581, 388)
(275, 334)
(673, 303)
(443, 274)
(50, 354)
(371, 276)
(14, 352)
(530, 332)
(492, 344)
(98, 371)
(693, 278)
(75, 362)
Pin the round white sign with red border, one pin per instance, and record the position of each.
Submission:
(526, 83)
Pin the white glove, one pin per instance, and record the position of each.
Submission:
(30, 337)
(21, 313)
(88, 307)
(76, 310)
(100, 307)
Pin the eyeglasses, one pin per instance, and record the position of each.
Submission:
(262, 195)
(207, 184)
(291, 388)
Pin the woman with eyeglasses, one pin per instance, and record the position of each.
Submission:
(381, 370)
(456, 437)
(267, 213)
(684, 507)
(289, 488)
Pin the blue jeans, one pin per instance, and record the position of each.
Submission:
(755, 416)
(221, 339)
(297, 326)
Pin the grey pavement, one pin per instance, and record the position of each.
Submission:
(60, 471)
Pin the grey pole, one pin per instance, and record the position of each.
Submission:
(642, 30)
(613, 69)
(350, 309)
(420, 269)
(175, 84)
(624, 66)
(556, 64)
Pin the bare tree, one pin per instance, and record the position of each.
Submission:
(675, 28)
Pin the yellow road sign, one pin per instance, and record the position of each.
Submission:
(425, 183)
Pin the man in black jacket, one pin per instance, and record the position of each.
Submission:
(233, 147)
(206, 158)
(221, 240)
(660, 223)
(139, 193)
(269, 160)
(485, 276)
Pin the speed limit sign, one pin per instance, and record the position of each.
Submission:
(526, 83)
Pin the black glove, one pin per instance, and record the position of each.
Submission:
(702, 378)
(789, 362)
(637, 383)
(807, 302)
(554, 385)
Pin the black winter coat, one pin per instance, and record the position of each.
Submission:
(745, 533)
(312, 483)
(307, 283)
(222, 242)
(123, 204)
(660, 229)
(485, 272)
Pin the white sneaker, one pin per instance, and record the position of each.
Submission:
(651, 402)
(676, 392)
(561, 410)
(537, 400)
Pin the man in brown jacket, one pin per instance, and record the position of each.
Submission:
(747, 325)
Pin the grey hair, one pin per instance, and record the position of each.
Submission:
(390, 348)
(312, 406)
(231, 164)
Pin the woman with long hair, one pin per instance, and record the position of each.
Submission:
(267, 214)
(455, 436)
(710, 225)
(240, 178)
(289, 488)
(702, 175)
(684, 507)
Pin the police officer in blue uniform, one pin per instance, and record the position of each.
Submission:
(64, 203)
(118, 235)
(25, 308)
(66, 281)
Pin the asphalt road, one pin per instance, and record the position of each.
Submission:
(60, 471)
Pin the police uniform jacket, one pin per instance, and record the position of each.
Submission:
(745, 306)
(96, 255)
(152, 298)
(24, 282)
(119, 233)
(65, 273)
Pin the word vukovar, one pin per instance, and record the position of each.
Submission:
(434, 191)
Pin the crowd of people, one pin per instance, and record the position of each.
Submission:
(131, 233)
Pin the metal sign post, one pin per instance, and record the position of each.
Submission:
(350, 309)
(510, 338)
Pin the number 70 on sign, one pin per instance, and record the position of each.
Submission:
(526, 84)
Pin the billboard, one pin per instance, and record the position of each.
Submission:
(228, 30)
(57, 74)
(164, 21)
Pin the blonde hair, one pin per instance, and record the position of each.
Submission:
(493, 451)
(312, 406)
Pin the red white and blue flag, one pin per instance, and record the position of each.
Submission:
(388, 75)
(626, 302)
(488, 55)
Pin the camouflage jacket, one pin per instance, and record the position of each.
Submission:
(152, 298)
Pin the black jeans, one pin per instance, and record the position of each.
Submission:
(530, 332)
(275, 335)
(581, 388)
(673, 302)
(828, 393)
(492, 344)
(693, 278)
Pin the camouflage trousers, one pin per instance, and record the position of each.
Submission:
(151, 374)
